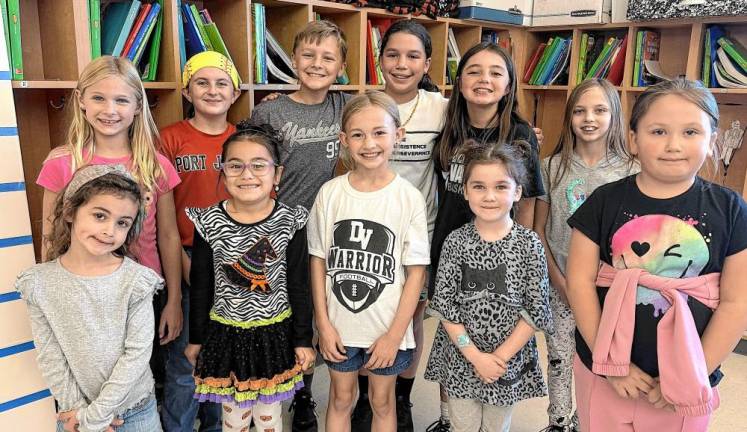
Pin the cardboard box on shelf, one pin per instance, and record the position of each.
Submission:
(506, 11)
(620, 11)
(564, 12)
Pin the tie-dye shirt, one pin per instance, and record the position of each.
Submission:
(684, 236)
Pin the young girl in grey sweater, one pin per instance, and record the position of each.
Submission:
(91, 307)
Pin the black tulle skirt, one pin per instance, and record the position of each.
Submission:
(246, 365)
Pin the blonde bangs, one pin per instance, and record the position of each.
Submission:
(143, 132)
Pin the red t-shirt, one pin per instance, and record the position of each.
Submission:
(196, 156)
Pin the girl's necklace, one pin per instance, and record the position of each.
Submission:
(412, 113)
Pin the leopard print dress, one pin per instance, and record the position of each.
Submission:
(488, 287)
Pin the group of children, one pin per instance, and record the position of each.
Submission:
(445, 203)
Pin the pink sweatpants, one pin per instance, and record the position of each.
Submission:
(600, 409)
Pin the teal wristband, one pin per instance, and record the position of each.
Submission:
(463, 340)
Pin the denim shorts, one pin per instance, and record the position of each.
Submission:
(357, 357)
(143, 417)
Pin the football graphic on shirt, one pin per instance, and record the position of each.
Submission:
(360, 262)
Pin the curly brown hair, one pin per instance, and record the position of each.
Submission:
(58, 241)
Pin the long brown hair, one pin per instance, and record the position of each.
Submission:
(416, 29)
(616, 143)
(457, 125)
(58, 240)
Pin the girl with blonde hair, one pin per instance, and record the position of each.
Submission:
(112, 125)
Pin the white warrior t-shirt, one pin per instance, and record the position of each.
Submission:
(366, 240)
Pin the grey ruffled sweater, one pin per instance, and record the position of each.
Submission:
(93, 336)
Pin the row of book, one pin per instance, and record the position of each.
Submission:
(200, 32)
(602, 56)
(646, 67)
(11, 12)
(453, 55)
(493, 36)
(549, 63)
(375, 30)
(272, 64)
(724, 60)
(259, 43)
(128, 29)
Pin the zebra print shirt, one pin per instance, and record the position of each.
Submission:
(233, 244)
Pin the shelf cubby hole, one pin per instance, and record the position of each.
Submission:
(352, 25)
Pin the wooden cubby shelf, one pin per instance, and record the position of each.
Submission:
(55, 39)
(43, 84)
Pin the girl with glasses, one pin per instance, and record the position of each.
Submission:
(250, 318)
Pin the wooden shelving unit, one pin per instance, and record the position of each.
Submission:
(681, 54)
(56, 47)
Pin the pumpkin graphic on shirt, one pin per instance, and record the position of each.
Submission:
(662, 245)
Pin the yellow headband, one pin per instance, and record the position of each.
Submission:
(210, 59)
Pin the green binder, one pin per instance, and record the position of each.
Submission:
(94, 22)
(4, 11)
(155, 47)
(552, 44)
(14, 28)
(201, 27)
(216, 40)
(638, 55)
(707, 59)
(736, 51)
(582, 58)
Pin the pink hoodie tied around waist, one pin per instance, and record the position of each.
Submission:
(682, 367)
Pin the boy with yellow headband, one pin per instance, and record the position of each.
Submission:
(211, 84)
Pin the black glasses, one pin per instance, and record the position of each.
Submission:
(257, 167)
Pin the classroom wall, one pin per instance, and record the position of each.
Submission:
(25, 402)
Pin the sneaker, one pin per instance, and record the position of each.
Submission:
(404, 415)
(304, 415)
(362, 416)
(439, 425)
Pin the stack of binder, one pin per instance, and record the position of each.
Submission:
(602, 56)
(12, 27)
(724, 60)
(128, 29)
(549, 63)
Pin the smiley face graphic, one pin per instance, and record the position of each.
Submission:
(662, 245)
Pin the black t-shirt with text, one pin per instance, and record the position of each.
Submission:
(684, 236)
(453, 209)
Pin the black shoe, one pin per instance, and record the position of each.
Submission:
(304, 415)
(362, 416)
(404, 415)
(439, 425)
